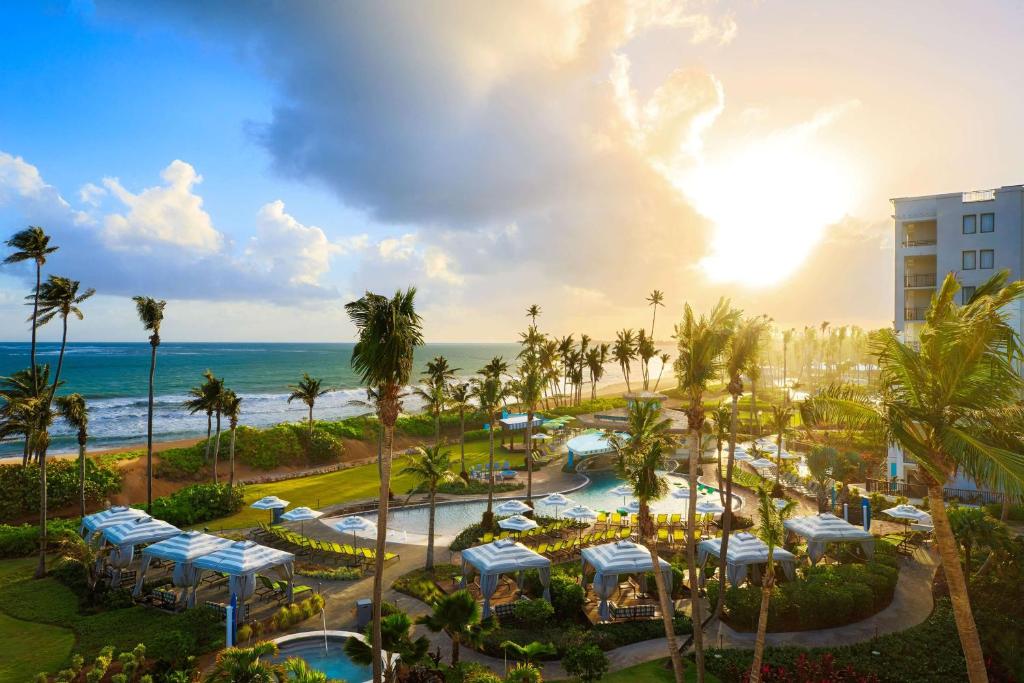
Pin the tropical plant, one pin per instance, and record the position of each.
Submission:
(151, 313)
(646, 352)
(231, 406)
(952, 403)
(721, 419)
(458, 615)
(59, 297)
(702, 343)
(586, 662)
(490, 392)
(624, 351)
(297, 670)
(664, 359)
(389, 330)
(640, 458)
(973, 527)
(246, 665)
(529, 390)
(207, 398)
(530, 652)
(431, 466)
(31, 244)
(308, 391)
(459, 398)
(75, 412)
(655, 299)
(819, 463)
(782, 418)
(395, 640)
(771, 531)
(532, 313)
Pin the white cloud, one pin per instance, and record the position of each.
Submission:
(22, 186)
(285, 247)
(91, 194)
(168, 215)
(437, 264)
(397, 248)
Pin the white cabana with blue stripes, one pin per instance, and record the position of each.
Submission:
(122, 539)
(112, 516)
(822, 529)
(504, 556)
(612, 559)
(242, 561)
(746, 553)
(182, 550)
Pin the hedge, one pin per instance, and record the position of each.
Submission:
(198, 503)
(23, 540)
(20, 486)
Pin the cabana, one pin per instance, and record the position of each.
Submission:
(503, 557)
(242, 561)
(124, 537)
(746, 553)
(623, 557)
(182, 550)
(112, 516)
(820, 530)
(515, 423)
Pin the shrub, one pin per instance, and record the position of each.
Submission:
(23, 540)
(199, 503)
(523, 673)
(182, 463)
(567, 596)
(323, 447)
(470, 672)
(20, 486)
(585, 662)
(331, 573)
(533, 613)
(244, 633)
(421, 585)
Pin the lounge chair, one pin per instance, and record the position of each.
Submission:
(662, 519)
(601, 521)
(675, 520)
(663, 536)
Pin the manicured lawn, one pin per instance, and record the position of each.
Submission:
(657, 671)
(343, 486)
(29, 647)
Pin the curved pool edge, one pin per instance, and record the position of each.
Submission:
(314, 635)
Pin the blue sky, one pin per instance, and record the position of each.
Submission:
(259, 164)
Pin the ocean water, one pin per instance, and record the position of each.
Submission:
(114, 379)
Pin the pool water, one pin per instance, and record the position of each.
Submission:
(332, 661)
(409, 525)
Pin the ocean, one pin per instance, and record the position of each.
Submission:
(113, 377)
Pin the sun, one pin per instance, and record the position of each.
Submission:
(770, 201)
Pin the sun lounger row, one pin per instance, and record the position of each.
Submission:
(327, 550)
(277, 590)
(540, 532)
(568, 547)
(607, 520)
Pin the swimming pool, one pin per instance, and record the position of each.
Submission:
(328, 657)
(409, 525)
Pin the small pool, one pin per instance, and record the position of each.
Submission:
(331, 659)
(591, 443)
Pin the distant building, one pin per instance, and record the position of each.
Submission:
(971, 234)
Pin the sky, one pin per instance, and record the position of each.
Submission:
(259, 164)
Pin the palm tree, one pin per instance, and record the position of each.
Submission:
(654, 299)
(308, 391)
(782, 416)
(596, 359)
(721, 422)
(389, 330)
(207, 398)
(396, 643)
(530, 387)
(216, 390)
(431, 466)
(645, 351)
(974, 527)
(490, 393)
(458, 615)
(31, 244)
(246, 665)
(771, 531)
(231, 405)
(75, 412)
(953, 404)
(664, 358)
(460, 394)
(624, 351)
(787, 338)
(151, 313)
(532, 312)
(702, 342)
(640, 457)
(820, 460)
(298, 671)
(59, 297)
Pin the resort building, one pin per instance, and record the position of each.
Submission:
(596, 442)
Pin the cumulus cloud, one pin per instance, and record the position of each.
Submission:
(286, 248)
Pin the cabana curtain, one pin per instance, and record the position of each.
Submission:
(503, 557)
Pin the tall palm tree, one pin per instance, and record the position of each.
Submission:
(431, 466)
(389, 330)
(532, 312)
(721, 419)
(458, 615)
(308, 390)
(953, 404)
(31, 244)
(459, 395)
(59, 296)
(207, 398)
(624, 351)
(246, 665)
(75, 412)
(151, 313)
(231, 405)
(664, 358)
(702, 342)
(530, 387)
(654, 299)
(771, 531)
(820, 460)
(782, 418)
(490, 392)
(787, 339)
(640, 457)
(645, 351)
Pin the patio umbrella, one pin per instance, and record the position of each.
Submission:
(270, 503)
(908, 513)
(301, 514)
(762, 464)
(353, 524)
(786, 455)
(541, 437)
(681, 492)
(780, 503)
(580, 513)
(556, 500)
(709, 507)
(633, 508)
(742, 456)
(624, 490)
(517, 523)
(512, 507)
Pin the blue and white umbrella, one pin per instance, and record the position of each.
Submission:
(518, 523)
(556, 500)
(270, 503)
(512, 507)
(624, 490)
(301, 514)
(353, 524)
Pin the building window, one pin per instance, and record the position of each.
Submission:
(965, 295)
(970, 260)
(988, 222)
(970, 224)
(987, 259)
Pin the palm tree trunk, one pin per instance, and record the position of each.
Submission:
(437, 427)
(965, 626)
(32, 354)
(462, 438)
(667, 606)
(149, 429)
(60, 358)
(430, 529)
(730, 462)
(231, 456)
(488, 520)
(209, 432)
(696, 605)
(762, 626)
(753, 408)
(778, 458)
(455, 650)
(311, 425)
(527, 444)
(382, 524)
(81, 473)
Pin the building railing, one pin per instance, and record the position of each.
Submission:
(920, 242)
(978, 196)
(914, 313)
(919, 280)
(902, 488)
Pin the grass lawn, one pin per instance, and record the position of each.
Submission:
(657, 671)
(339, 487)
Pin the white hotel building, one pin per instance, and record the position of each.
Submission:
(971, 234)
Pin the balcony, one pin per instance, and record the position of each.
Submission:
(919, 280)
(920, 242)
(913, 314)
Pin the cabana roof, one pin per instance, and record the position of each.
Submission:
(744, 549)
(503, 556)
(826, 528)
(244, 557)
(621, 557)
(112, 516)
(519, 421)
(139, 530)
(187, 546)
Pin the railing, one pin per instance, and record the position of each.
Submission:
(920, 243)
(914, 313)
(978, 196)
(919, 280)
(900, 488)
